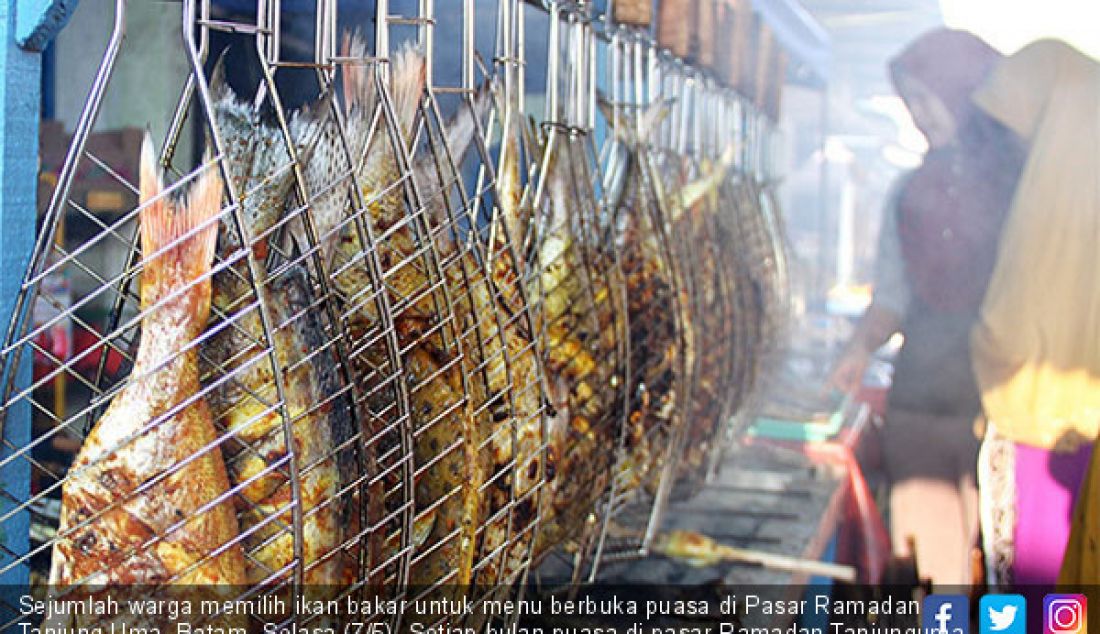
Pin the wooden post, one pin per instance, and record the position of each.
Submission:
(706, 32)
(633, 12)
(675, 22)
(734, 22)
(26, 26)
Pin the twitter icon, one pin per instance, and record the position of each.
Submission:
(1003, 614)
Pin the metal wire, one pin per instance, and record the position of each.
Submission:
(446, 343)
(583, 308)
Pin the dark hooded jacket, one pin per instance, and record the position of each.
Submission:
(949, 216)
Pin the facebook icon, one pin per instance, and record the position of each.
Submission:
(945, 614)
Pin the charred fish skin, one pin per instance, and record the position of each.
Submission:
(694, 215)
(710, 341)
(689, 197)
(654, 307)
(422, 314)
(500, 360)
(467, 371)
(143, 503)
(500, 355)
(367, 154)
(578, 317)
(247, 404)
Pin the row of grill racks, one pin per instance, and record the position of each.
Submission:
(455, 376)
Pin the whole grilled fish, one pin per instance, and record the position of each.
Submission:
(245, 398)
(580, 317)
(501, 352)
(747, 325)
(142, 503)
(694, 221)
(471, 375)
(656, 311)
(447, 476)
(759, 229)
(747, 230)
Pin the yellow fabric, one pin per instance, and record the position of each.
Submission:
(1081, 563)
(1036, 345)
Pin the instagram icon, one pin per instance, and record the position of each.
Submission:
(1064, 614)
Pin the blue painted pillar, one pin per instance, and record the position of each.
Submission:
(26, 27)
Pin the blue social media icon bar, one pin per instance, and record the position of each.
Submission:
(945, 614)
(1003, 614)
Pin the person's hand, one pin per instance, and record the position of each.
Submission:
(847, 374)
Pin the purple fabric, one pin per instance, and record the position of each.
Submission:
(1046, 487)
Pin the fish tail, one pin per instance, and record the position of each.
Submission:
(652, 116)
(358, 86)
(219, 87)
(177, 239)
(461, 131)
(706, 185)
(409, 77)
(407, 80)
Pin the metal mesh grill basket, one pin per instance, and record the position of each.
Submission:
(394, 339)
(362, 407)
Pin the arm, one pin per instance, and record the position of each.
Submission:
(884, 316)
(875, 328)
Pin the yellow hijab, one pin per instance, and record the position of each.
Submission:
(1036, 345)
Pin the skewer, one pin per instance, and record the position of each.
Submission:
(700, 550)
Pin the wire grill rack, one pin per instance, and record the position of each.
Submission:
(443, 339)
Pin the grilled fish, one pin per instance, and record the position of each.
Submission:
(143, 503)
(581, 318)
(501, 352)
(472, 378)
(245, 396)
(758, 294)
(414, 297)
(694, 221)
(659, 350)
(745, 296)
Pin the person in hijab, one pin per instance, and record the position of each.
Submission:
(1036, 344)
(937, 246)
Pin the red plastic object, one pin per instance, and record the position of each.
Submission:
(86, 347)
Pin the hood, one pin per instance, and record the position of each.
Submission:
(952, 64)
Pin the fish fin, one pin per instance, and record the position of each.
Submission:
(535, 137)
(708, 184)
(653, 115)
(459, 135)
(727, 157)
(307, 126)
(177, 240)
(150, 184)
(407, 82)
(624, 127)
(615, 120)
(460, 132)
(219, 87)
(358, 86)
